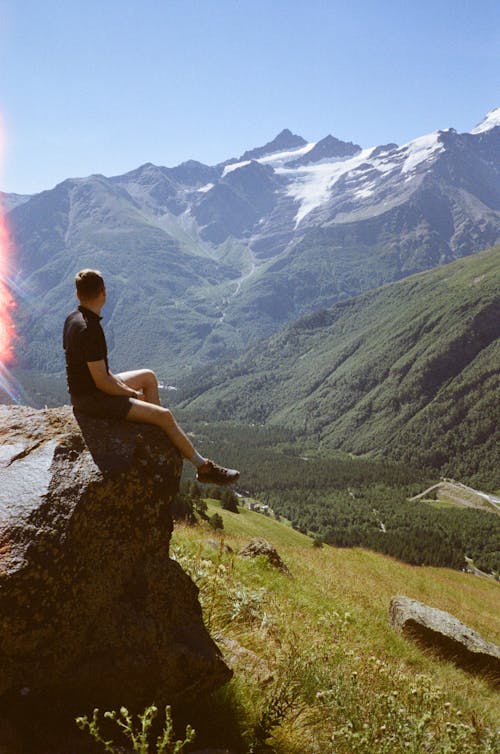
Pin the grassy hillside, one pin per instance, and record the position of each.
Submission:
(317, 667)
(410, 370)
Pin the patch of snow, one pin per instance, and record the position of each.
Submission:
(365, 192)
(234, 166)
(489, 122)
(420, 150)
(312, 185)
(385, 164)
(278, 159)
(206, 187)
(314, 182)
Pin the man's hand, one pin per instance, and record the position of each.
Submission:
(108, 383)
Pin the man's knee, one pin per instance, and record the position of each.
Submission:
(150, 378)
(167, 417)
(149, 413)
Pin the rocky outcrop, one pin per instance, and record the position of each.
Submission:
(93, 610)
(259, 546)
(446, 635)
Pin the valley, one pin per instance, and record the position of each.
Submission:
(337, 296)
(279, 531)
(348, 501)
(409, 371)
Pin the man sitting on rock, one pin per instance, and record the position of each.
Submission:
(132, 395)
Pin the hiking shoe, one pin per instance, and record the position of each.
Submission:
(212, 473)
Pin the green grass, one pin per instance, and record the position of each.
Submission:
(442, 503)
(321, 670)
(251, 524)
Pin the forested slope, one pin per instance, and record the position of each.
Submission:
(411, 370)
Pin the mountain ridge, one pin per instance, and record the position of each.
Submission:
(212, 258)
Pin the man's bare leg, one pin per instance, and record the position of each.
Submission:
(150, 411)
(142, 379)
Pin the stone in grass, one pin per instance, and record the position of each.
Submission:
(244, 659)
(260, 546)
(446, 636)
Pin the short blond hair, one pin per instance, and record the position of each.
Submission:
(89, 284)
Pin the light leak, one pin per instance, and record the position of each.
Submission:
(7, 304)
(8, 385)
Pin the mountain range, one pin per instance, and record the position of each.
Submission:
(201, 261)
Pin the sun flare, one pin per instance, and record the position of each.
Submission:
(7, 303)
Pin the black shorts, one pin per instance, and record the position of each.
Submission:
(101, 405)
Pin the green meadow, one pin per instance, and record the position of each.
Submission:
(317, 667)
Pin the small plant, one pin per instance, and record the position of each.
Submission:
(216, 521)
(282, 701)
(224, 599)
(229, 501)
(138, 733)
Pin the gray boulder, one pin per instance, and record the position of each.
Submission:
(93, 611)
(446, 635)
(260, 546)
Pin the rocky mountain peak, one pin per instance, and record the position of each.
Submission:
(284, 140)
(329, 147)
(305, 225)
(192, 173)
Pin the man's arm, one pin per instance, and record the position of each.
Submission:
(107, 382)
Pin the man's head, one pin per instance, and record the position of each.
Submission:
(89, 285)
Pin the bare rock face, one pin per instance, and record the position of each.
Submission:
(93, 612)
(260, 546)
(446, 635)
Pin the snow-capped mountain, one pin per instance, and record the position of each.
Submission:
(492, 120)
(346, 184)
(203, 259)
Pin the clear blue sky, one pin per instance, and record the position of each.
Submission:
(102, 86)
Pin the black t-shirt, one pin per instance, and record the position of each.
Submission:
(83, 340)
